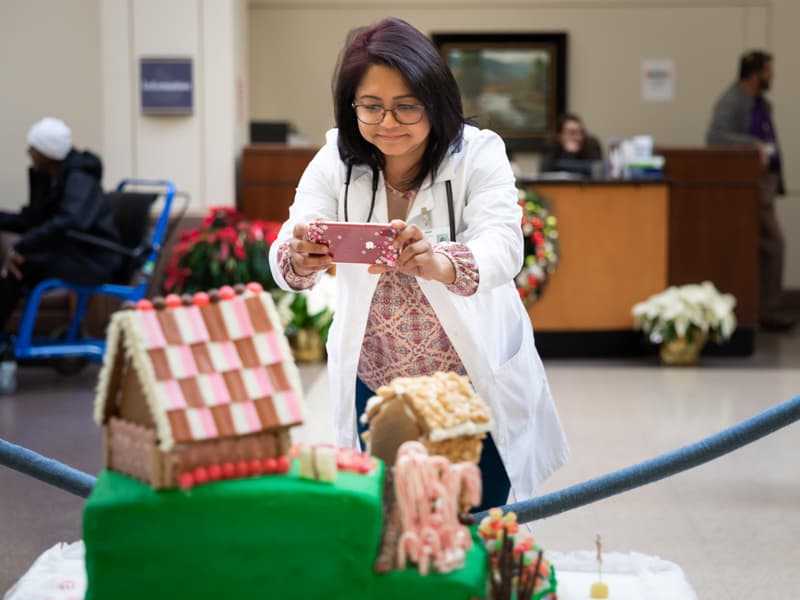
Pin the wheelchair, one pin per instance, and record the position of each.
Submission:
(71, 349)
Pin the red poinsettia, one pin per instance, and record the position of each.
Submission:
(227, 249)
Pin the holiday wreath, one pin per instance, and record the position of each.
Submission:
(541, 246)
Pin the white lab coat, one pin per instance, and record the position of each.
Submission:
(490, 330)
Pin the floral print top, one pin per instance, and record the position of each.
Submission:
(403, 337)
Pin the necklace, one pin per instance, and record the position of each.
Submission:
(406, 195)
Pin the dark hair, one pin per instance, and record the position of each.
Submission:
(396, 44)
(753, 62)
(566, 117)
(590, 148)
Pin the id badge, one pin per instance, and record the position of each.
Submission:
(438, 234)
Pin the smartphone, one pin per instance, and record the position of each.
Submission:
(362, 243)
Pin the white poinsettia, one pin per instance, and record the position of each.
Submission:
(284, 306)
(680, 311)
(322, 296)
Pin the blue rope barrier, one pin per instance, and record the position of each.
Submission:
(657, 468)
(81, 484)
(46, 469)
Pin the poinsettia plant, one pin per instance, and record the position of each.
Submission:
(686, 311)
(227, 249)
(312, 308)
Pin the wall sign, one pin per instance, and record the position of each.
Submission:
(166, 86)
(658, 80)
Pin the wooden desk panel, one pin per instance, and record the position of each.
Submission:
(269, 177)
(612, 254)
(714, 221)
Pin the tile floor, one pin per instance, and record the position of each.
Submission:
(733, 524)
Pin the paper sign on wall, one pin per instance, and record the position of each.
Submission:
(658, 80)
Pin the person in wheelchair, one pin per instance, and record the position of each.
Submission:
(66, 196)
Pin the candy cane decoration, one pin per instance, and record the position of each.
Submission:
(429, 490)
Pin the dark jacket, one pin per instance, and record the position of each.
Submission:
(558, 159)
(730, 122)
(74, 201)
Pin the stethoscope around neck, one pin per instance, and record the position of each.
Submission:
(448, 186)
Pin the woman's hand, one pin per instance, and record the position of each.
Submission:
(417, 257)
(307, 257)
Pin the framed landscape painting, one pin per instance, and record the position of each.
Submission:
(513, 83)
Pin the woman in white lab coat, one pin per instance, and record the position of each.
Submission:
(403, 153)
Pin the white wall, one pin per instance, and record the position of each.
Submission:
(294, 46)
(199, 151)
(50, 66)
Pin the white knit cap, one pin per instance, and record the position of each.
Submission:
(51, 137)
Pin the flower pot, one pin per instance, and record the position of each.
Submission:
(306, 345)
(682, 352)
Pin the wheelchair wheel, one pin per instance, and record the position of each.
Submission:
(68, 365)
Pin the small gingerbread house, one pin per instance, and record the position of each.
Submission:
(198, 388)
(442, 411)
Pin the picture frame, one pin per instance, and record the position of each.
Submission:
(512, 83)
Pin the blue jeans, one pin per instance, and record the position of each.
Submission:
(496, 484)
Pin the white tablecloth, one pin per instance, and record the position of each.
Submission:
(58, 574)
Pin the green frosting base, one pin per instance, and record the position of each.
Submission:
(276, 536)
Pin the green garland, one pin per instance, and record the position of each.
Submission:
(539, 229)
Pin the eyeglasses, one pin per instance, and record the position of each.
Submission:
(405, 114)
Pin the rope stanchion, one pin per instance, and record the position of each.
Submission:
(46, 469)
(659, 467)
(81, 484)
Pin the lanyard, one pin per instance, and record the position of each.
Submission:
(448, 185)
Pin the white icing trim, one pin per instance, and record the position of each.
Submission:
(463, 429)
(109, 358)
(372, 403)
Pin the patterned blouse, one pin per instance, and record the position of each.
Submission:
(403, 337)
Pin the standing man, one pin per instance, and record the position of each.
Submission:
(65, 195)
(743, 116)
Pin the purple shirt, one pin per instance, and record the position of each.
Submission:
(761, 127)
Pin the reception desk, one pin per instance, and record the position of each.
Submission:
(613, 252)
(621, 242)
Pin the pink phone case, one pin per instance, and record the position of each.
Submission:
(363, 243)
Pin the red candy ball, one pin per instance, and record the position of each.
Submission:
(256, 468)
(228, 470)
(242, 469)
(255, 287)
(186, 480)
(226, 292)
(282, 464)
(270, 465)
(200, 299)
(200, 475)
(144, 304)
(173, 301)
(214, 472)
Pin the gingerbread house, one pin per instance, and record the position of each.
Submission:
(198, 388)
(441, 411)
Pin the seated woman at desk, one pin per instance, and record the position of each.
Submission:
(572, 150)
